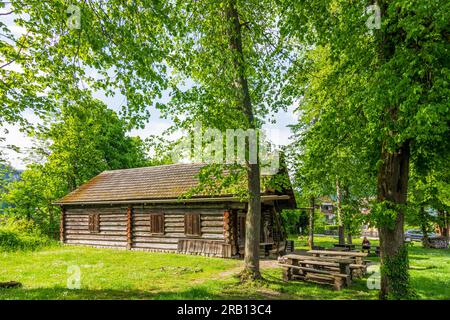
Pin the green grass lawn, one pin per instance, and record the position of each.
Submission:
(119, 274)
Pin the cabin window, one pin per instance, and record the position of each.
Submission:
(157, 223)
(94, 222)
(192, 224)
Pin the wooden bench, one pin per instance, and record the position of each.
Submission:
(324, 270)
(204, 247)
(339, 249)
(333, 265)
(338, 280)
(375, 249)
(341, 263)
(266, 247)
(345, 246)
(358, 265)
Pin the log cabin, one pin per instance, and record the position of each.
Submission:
(141, 209)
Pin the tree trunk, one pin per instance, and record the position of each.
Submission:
(311, 223)
(349, 236)
(446, 225)
(392, 187)
(392, 182)
(443, 224)
(424, 228)
(339, 213)
(52, 230)
(253, 224)
(253, 219)
(348, 225)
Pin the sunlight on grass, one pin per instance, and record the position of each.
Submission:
(120, 274)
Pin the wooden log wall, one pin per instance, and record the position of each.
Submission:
(129, 228)
(211, 227)
(113, 227)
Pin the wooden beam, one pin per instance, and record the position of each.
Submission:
(61, 225)
(226, 226)
(227, 199)
(129, 227)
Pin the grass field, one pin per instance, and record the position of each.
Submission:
(117, 274)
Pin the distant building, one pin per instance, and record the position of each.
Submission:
(327, 208)
(366, 230)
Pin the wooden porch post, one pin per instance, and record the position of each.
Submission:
(229, 232)
(129, 219)
(311, 222)
(61, 225)
(226, 227)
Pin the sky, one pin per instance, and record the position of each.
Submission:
(277, 133)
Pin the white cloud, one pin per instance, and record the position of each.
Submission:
(19, 139)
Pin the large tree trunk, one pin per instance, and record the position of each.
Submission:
(311, 223)
(392, 184)
(253, 220)
(339, 213)
(392, 190)
(253, 224)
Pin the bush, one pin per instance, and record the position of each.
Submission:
(320, 222)
(293, 220)
(331, 229)
(21, 234)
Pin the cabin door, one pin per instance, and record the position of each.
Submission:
(266, 235)
(241, 229)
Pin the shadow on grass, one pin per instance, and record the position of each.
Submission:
(59, 293)
(312, 291)
(271, 288)
(431, 288)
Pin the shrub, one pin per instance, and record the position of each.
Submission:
(331, 229)
(21, 234)
(293, 220)
(320, 222)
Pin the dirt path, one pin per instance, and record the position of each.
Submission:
(263, 264)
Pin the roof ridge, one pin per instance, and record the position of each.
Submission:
(158, 166)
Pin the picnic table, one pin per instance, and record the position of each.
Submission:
(337, 249)
(345, 246)
(334, 271)
(358, 266)
(376, 249)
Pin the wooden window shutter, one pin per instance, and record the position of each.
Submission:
(157, 223)
(94, 222)
(192, 224)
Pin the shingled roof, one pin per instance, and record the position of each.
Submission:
(148, 184)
